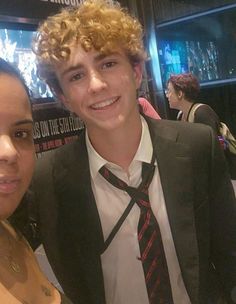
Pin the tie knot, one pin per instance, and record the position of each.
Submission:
(139, 194)
(113, 179)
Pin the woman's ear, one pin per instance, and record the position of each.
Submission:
(180, 94)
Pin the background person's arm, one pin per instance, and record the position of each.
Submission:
(148, 109)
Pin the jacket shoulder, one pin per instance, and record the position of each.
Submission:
(182, 130)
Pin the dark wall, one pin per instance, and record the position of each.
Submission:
(38, 9)
(170, 9)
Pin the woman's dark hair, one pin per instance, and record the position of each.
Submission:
(187, 83)
(9, 69)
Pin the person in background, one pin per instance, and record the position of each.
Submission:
(182, 93)
(138, 210)
(21, 280)
(147, 108)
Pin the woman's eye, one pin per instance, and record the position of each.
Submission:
(23, 134)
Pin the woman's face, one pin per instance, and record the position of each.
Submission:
(172, 96)
(17, 156)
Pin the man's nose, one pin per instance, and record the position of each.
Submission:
(8, 152)
(96, 83)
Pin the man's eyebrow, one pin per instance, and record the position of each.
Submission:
(102, 56)
(23, 122)
(80, 66)
(71, 69)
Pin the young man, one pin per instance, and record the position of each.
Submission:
(165, 235)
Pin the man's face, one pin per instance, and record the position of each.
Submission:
(100, 89)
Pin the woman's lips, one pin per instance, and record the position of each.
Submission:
(8, 185)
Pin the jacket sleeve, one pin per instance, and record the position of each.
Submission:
(223, 223)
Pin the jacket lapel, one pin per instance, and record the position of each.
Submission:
(81, 237)
(175, 168)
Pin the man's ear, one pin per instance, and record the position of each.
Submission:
(58, 93)
(61, 98)
(138, 73)
(65, 101)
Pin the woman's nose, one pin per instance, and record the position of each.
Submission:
(97, 83)
(8, 152)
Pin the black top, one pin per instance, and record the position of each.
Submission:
(206, 115)
(65, 300)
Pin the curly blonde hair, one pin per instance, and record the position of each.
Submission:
(96, 24)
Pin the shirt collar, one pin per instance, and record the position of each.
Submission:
(143, 154)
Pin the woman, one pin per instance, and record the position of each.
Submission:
(21, 280)
(182, 92)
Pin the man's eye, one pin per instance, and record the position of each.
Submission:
(109, 64)
(77, 76)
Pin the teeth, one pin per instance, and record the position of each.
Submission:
(104, 103)
(5, 182)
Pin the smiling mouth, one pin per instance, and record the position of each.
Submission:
(104, 104)
(8, 186)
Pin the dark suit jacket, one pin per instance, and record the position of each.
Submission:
(200, 204)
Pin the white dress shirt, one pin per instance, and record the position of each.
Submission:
(122, 271)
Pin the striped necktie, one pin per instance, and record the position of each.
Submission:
(152, 253)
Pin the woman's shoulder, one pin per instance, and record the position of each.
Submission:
(203, 107)
(206, 111)
(206, 115)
